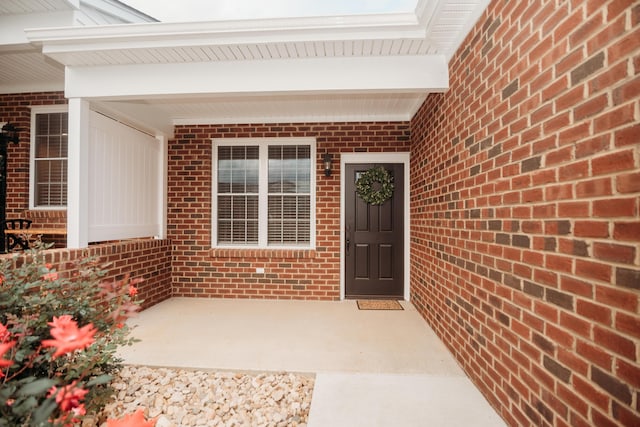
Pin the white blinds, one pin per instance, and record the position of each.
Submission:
(289, 194)
(51, 159)
(238, 194)
(285, 188)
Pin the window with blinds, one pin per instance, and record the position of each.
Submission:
(289, 198)
(238, 195)
(263, 193)
(50, 159)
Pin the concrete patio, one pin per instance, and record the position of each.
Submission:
(372, 368)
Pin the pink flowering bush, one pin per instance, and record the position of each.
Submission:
(136, 419)
(58, 339)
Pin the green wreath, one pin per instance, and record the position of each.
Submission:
(375, 186)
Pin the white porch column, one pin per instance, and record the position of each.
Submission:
(163, 183)
(78, 174)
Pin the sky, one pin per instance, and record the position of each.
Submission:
(207, 10)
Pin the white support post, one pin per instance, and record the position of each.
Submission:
(162, 185)
(78, 174)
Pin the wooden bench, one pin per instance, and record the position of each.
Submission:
(31, 231)
(24, 243)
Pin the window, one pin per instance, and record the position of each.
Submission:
(49, 134)
(263, 193)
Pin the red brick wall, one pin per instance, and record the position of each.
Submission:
(525, 218)
(200, 271)
(16, 109)
(145, 258)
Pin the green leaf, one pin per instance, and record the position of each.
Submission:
(102, 379)
(41, 415)
(6, 391)
(22, 407)
(36, 387)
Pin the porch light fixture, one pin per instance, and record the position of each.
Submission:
(9, 134)
(326, 160)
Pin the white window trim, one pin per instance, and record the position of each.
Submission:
(41, 109)
(263, 143)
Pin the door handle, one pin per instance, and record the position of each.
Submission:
(347, 239)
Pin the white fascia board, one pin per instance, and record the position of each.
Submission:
(157, 35)
(367, 74)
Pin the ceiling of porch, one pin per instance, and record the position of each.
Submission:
(267, 70)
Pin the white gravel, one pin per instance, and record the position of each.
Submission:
(180, 397)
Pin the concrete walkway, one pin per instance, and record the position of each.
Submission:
(373, 368)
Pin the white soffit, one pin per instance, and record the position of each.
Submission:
(35, 6)
(234, 40)
(29, 71)
(271, 108)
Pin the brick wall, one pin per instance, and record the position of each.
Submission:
(525, 219)
(200, 271)
(145, 258)
(16, 109)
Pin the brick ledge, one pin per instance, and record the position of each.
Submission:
(262, 253)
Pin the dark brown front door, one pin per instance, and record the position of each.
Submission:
(374, 236)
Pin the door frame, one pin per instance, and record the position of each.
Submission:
(395, 157)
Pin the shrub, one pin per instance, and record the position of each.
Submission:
(59, 333)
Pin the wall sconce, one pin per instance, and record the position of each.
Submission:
(326, 160)
(9, 134)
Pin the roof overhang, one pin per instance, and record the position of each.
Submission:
(374, 67)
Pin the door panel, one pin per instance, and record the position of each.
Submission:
(362, 261)
(374, 240)
(385, 261)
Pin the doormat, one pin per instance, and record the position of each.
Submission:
(379, 304)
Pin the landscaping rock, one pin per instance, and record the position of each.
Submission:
(181, 397)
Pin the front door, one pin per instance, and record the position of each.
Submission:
(374, 238)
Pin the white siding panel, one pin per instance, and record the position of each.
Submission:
(125, 167)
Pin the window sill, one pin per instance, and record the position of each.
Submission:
(62, 209)
(262, 253)
(45, 213)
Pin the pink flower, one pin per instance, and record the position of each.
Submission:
(135, 420)
(132, 291)
(79, 411)
(69, 397)
(4, 333)
(68, 337)
(52, 276)
(48, 265)
(4, 347)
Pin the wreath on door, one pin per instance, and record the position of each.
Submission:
(375, 186)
